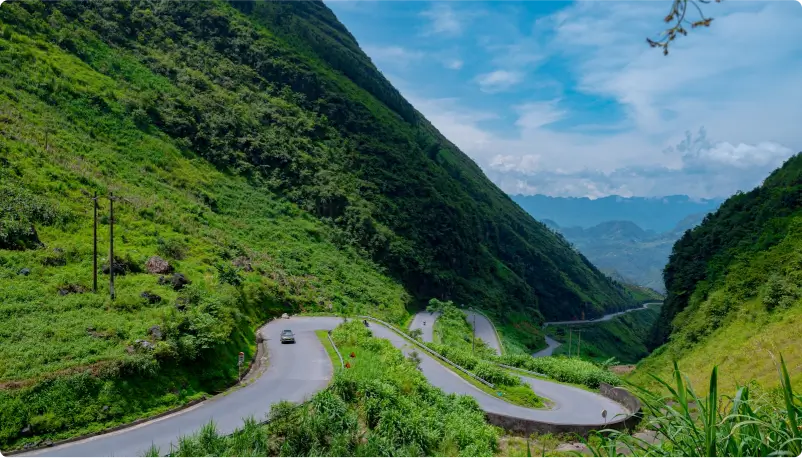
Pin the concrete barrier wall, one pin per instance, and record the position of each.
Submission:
(527, 427)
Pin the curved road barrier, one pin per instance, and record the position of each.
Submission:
(296, 372)
(438, 355)
(485, 329)
(334, 345)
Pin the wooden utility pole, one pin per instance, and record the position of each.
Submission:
(473, 347)
(94, 243)
(570, 333)
(111, 245)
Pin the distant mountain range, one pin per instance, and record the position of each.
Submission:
(626, 252)
(658, 214)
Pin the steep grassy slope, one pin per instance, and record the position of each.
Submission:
(733, 287)
(342, 143)
(256, 149)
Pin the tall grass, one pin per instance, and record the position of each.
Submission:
(691, 425)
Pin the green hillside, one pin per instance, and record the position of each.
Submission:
(734, 288)
(622, 337)
(258, 151)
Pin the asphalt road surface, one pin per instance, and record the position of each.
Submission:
(484, 329)
(297, 371)
(428, 328)
(548, 351)
(603, 318)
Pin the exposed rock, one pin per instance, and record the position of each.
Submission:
(144, 344)
(181, 304)
(179, 280)
(157, 265)
(571, 447)
(56, 258)
(105, 408)
(284, 315)
(259, 338)
(156, 332)
(24, 271)
(121, 267)
(47, 443)
(152, 298)
(26, 431)
(71, 289)
(243, 263)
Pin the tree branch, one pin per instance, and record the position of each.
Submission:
(679, 9)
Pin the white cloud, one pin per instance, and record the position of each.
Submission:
(739, 79)
(453, 64)
(393, 55)
(534, 115)
(443, 20)
(498, 80)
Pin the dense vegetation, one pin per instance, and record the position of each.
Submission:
(258, 152)
(744, 227)
(284, 96)
(453, 330)
(380, 406)
(622, 337)
(733, 287)
(743, 423)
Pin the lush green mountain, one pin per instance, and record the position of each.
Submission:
(622, 249)
(658, 214)
(256, 149)
(734, 286)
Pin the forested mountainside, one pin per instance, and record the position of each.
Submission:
(734, 285)
(259, 153)
(283, 95)
(623, 248)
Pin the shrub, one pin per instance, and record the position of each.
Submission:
(20, 210)
(570, 370)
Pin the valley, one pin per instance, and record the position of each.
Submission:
(182, 183)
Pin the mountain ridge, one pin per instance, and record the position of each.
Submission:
(658, 214)
(271, 168)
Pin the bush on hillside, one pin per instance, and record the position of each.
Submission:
(569, 370)
(20, 211)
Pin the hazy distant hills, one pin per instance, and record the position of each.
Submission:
(625, 251)
(658, 214)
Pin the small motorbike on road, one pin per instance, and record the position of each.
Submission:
(366, 323)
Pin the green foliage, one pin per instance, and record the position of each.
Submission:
(779, 292)
(453, 330)
(728, 425)
(743, 229)
(227, 133)
(281, 94)
(20, 211)
(475, 364)
(623, 337)
(562, 369)
(380, 406)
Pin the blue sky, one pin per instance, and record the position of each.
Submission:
(566, 99)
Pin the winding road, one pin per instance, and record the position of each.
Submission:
(549, 350)
(484, 328)
(607, 317)
(295, 372)
(427, 329)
